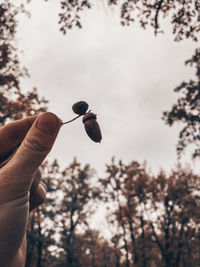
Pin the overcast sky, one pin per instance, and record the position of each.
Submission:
(127, 76)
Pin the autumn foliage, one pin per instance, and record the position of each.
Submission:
(15, 102)
(152, 220)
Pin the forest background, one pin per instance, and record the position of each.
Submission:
(151, 219)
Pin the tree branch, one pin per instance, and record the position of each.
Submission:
(157, 239)
(156, 16)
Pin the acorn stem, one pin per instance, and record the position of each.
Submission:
(72, 119)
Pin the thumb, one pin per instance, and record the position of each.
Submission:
(33, 150)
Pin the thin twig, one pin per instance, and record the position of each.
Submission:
(72, 119)
(156, 16)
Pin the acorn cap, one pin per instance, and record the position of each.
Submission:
(89, 116)
(80, 107)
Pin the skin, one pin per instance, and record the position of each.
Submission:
(24, 144)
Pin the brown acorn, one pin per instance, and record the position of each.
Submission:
(80, 107)
(92, 127)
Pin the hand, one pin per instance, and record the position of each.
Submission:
(24, 144)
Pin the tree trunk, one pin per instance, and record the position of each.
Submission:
(132, 235)
(124, 237)
(40, 246)
(143, 242)
(30, 243)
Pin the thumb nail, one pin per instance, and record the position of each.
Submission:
(48, 123)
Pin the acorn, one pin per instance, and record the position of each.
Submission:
(92, 127)
(80, 107)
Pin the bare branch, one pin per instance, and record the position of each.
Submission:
(157, 238)
(156, 16)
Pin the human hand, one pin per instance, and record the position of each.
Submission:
(24, 144)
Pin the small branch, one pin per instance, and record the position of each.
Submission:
(157, 239)
(72, 119)
(156, 16)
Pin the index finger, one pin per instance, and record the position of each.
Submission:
(12, 134)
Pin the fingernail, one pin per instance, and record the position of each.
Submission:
(48, 123)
